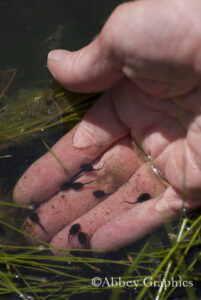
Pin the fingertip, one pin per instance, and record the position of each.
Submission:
(56, 60)
(57, 54)
(90, 69)
(19, 196)
(59, 245)
(98, 245)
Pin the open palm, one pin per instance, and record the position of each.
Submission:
(153, 97)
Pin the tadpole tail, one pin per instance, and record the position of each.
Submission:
(89, 182)
(76, 176)
(43, 228)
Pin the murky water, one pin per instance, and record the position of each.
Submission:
(29, 30)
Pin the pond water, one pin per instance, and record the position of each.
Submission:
(28, 31)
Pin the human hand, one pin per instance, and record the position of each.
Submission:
(147, 58)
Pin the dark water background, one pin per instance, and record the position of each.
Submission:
(28, 31)
(26, 25)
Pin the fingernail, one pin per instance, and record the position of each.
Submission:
(161, 205)
(168, 205)
(57, 54)
(84, 136)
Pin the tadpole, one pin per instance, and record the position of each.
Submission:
(74, 229)
(84, 168)
(82, 238)
(35, 219)
(73, 185)
(99, 194)
(66, 185)
(143, 197)
(78, 185)
(88, 168)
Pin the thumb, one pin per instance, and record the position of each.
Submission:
(92, 68)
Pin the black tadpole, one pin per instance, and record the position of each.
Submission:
(84, 168)
(88, 168)
(78, 185)
(66, 185)
(73, 230)
(35, 219)
(73, 185)
(143, 197)
(99, 194)
(82, 238)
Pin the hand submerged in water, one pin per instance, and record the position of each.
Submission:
(147, 58)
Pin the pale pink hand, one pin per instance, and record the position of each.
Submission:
(148, 59)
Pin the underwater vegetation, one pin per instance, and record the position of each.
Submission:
(33, 111)
(36, 116)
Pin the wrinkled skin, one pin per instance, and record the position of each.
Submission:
(147, 58)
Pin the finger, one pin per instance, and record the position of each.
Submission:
(161, 132)
(46, 175)
(138, 221)
(113, 169)
(93, 68)
(143, 181)
(128, 45)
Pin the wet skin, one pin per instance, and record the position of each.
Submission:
(143, 197)
(73, 185)
(88, 168)
(78, 185)
(61, 209)
(73, 230)
(152, 93)
(35, 219)
(83, 168)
